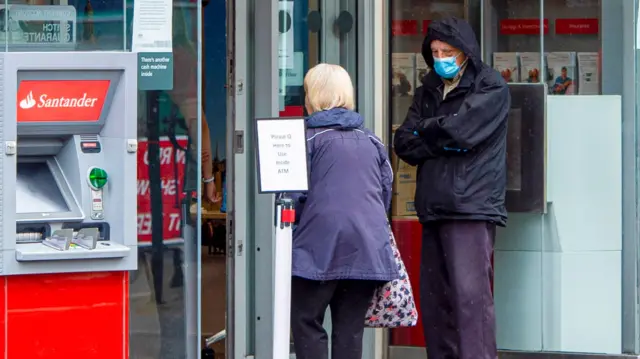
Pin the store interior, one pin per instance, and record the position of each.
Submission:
(555, 261)
(561, 93)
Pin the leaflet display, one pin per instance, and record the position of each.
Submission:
(526, 138)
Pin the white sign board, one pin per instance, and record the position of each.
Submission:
(282, 155)
(152, 26)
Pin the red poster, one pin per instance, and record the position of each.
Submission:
(577, 26)
(61, 100)
(172, 170)
(522, 26)
(404, 27)
(425, 26)
(292, 111)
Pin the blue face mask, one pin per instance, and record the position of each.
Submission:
(446, 67)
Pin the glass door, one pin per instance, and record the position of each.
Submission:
(275, 43)
(175, 153)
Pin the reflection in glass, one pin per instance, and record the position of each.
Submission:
(164, 301)
(514, 150)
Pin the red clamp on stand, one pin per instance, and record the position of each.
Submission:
(288, 216)
(285, 214)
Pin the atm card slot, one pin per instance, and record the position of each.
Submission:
(103, 228)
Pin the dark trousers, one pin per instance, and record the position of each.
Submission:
(348, 300)
(455, 291)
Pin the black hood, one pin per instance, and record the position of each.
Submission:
(455, 32)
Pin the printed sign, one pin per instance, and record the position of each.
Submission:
(61, 100)
(152, 26)
(155, 71)
(282, 155)
(153, 41)
(285, 34)
(523, 26)
(172, 172)
(293, 76)
(577, 26)
(39, 24)
(404, 27)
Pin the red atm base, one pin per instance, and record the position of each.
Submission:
(408, 233)
(63, 316)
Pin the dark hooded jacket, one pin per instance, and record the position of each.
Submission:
(342, 229)
(458, 142)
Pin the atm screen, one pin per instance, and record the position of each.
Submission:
(37, 190)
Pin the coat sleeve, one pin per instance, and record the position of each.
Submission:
(299, 200)
(386, 171)
(387, 181)
(480, 116)
(407, 144)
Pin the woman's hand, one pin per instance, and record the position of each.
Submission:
(210, 193)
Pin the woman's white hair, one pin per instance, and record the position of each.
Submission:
(328, 86)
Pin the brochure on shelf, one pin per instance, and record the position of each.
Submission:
(507, 64)
(403, 77)
(561, 73)
(530, 67)
(588, 76)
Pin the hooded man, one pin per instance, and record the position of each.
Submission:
(455, 133)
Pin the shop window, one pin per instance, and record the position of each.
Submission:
(408, 26)
(569, 65)
(64, 25)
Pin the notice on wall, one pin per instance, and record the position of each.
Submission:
(153, 41)
(285, 37)
(155, 70)
(51, 25)
(282, 155)
(293, 76)
(152, 26)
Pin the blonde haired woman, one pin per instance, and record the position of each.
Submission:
(341, 249)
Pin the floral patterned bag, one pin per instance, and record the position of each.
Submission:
(392, 305)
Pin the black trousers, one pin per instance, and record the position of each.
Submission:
(455, 290)
(348, 300)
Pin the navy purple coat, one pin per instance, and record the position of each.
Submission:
(342, 229)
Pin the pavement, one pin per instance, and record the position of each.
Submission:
(157, 331)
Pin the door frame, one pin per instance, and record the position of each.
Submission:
(237, 166)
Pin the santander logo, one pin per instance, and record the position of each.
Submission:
(28, 102)
(61, 100)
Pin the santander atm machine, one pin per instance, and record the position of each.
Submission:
(68, 138)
